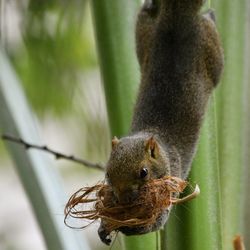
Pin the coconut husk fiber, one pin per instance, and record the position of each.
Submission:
(97, 202)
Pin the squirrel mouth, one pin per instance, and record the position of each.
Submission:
(126, 197)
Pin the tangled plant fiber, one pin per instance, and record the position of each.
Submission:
(154, 197)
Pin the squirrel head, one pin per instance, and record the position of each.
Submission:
(133, 161)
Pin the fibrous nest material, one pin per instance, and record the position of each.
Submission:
(98, 202)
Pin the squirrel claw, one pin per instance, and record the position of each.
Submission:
(104, 235)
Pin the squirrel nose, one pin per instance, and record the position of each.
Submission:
(126, 196)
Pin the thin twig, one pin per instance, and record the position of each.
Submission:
(55, 153)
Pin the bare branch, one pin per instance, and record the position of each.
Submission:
(57, 155)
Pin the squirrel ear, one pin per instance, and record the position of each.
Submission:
(115, 141)
(152, 147)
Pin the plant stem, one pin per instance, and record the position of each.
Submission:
(197, 224)
(231, 21)
(206, 210)
(246, 130)
(114, 25)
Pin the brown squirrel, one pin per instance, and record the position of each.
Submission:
(181, 61)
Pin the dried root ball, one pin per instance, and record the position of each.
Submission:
(98, 202)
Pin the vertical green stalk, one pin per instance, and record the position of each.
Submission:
(246, 130)
(206, 221)
(230, 123)
(197, 224)
(114, 25)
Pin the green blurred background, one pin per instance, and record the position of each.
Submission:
(51, 45)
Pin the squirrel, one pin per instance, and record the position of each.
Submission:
(181, 61)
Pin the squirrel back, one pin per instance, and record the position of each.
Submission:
(181, 62)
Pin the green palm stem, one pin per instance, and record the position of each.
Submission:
(114, 27)
(246, 130)
(197, 224)
(206, 217)
(231, 22)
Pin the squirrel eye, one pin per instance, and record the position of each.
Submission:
(144, 173)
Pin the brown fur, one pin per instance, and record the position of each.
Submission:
(181, 60)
